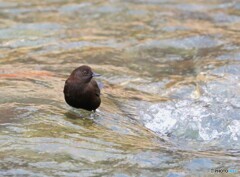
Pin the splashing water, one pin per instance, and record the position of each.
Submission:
(213, 118)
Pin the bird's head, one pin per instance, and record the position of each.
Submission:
(84, 74)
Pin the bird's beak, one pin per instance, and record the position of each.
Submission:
(95, 75)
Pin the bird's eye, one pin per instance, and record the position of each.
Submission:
(85, 72)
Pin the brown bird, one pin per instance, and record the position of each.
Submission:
(81, 90)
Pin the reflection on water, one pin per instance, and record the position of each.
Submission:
(170, 102)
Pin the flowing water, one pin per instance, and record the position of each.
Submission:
(171, 96)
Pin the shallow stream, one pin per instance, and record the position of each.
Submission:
(171, 97)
